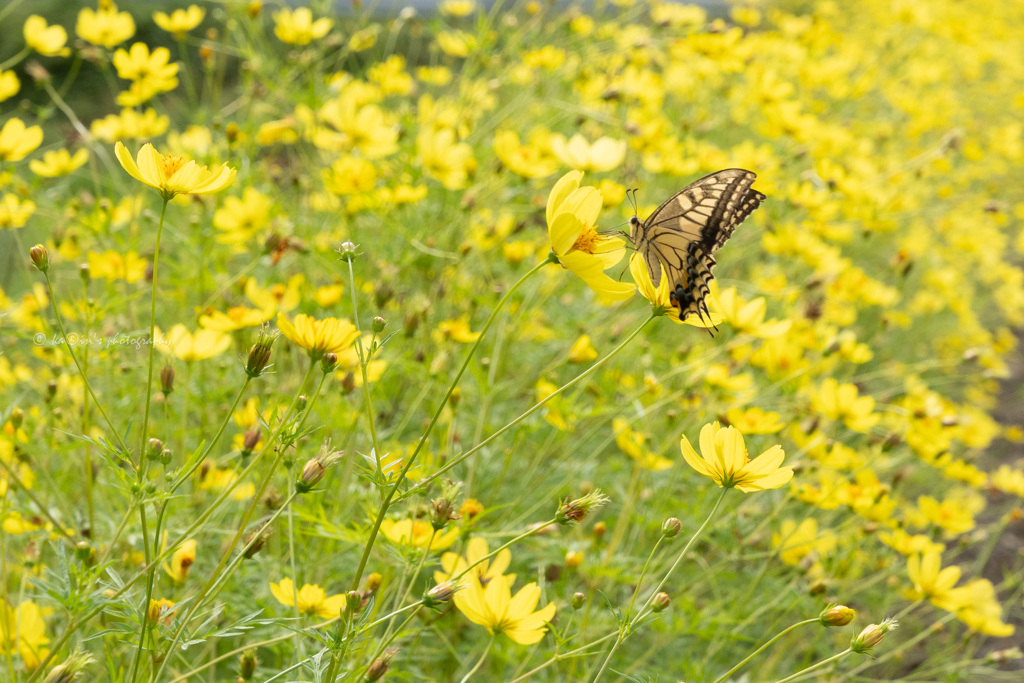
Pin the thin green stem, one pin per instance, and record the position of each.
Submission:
(627, 627)
(813, 667)
(564, 655)
(761, 649)
(643, 574)
(479, 662)
(540, 404)
(141, 469)
(386, 503)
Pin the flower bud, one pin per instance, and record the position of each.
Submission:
(40, 258)
(247, 664)
(83, 551)
(153, 448)
(328, 362)
(316, 467)
(353, 602)
(872, 635)
(470, 508)
(348, 251)
(232, 131)
(37, 71)
(254, 8)
(661, 602)
(373, 582)
(84, 273)
(381, 664)
(167, 380)
(378, 324)
(836, 615)
(571, 512)
(17, 417)
(440, 595)
(671, 527)
(573, 559)
(68, 670)
(301, 403)
(578, 600)
(599, 530)
(259, 353)
(250, 441)
(256, 540)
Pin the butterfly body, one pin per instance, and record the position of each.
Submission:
(683, 234)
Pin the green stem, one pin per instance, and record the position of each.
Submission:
(643, 574)
(141, 469)
(586, 373)
(386, 503)
(125, 454)
(625, 629)
(479, 662)
(820, 664)
(761, 649)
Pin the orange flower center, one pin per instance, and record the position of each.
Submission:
(170, 164)
(588, 240)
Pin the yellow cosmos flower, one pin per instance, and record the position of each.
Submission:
(129, 124)
(495, 608)
(48, 41)
(276, 297)
(189, 346)
(933, 582)
(138, 63)
(58, 163)
(661, 302)
(23, 631)
(298, 27)
(181, 561)
(417, 533)
(604, 155)
(114, 265)
(17, 140)
(796, 541)
(841, 402)
(724, 458)
(458, 8)
(181, 21)
(981, 611)
(104, 26)
(748, 317)
(173, 175)
(236, 318)
(13, 212)
(9, 85)
(444, 158)
(633, 444)
(456, 330)
(330, 335)
(571, 216)
(582, 351)
(753, 420)
(530, 160)
(161, 610)
(311, 599)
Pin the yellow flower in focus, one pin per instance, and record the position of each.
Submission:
(48, 41)
(9, 85)
(181, 21)
(104, 26)
(190, 347)
(311, 599)
(933, 582)
(453, 564)
(495, 608)
(458, 8)
(417, 533)
(181, 561)
(318, 337)
(173, 175)
(59, 163)
(23, 631)
(13, 212)
(298, 27)
(604, 155)
(748, 317)
(795, 542)
(841, 402)
(724, 458)
(17, 140)
(571, 216)
(456, 330)
(582, 350)
(753, 420)
(661, 301)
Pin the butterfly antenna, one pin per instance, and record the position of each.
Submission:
(632, 199)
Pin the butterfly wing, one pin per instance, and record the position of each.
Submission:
(683, 233)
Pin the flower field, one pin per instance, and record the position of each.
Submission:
(340, 343)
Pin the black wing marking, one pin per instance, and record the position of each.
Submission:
(684, 232)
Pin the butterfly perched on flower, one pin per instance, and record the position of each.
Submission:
(683, 234)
